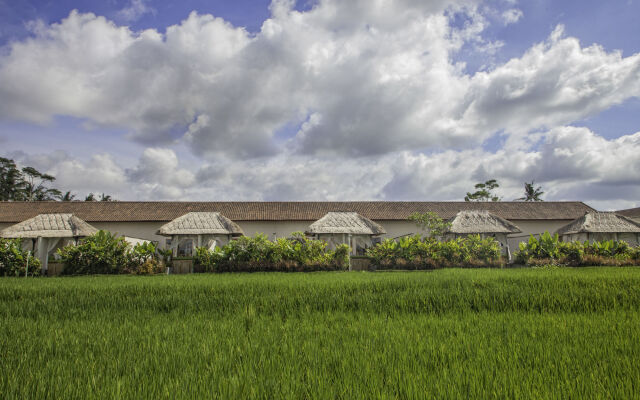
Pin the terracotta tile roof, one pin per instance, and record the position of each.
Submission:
(285, 210)
(630, 213)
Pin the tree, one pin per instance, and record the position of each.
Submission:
(531, 193)
(68, 196)
(11, 182)
(431, 222)
(484, 192)
(35, 188)
(102, 197)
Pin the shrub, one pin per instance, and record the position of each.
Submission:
(104, 253)
(13, 259)
(257, 253)
(550, 249)
(415, 252)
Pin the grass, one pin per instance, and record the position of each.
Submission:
(525, 333)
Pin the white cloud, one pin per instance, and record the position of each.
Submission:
(372, 80)
(379, 78)
(511, 16)
(135, 10)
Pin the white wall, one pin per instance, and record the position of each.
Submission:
(147, 230)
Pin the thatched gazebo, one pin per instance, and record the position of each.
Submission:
(338, 227)
(49, 232)
(598, 226)
(483, 223)
(198, 229)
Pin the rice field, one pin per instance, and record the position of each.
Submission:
(454, 333)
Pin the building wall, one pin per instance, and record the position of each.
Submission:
(147, 230)
(533, 227)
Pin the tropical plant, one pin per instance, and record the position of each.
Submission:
(531, 193)
(260, 254)
(14, 261)
(431, 223)
(484, 192)
(68, 196)
(101, 253)
(414, 252)
(35, 185)
(11, 182)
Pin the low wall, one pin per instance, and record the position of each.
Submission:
(184, 266)
(360, 264)
(54, 269)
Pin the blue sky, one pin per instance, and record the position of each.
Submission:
(326, 99)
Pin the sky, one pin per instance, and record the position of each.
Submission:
(324, 100)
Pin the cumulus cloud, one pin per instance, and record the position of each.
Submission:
(511, 16)
(346, 100)
(158, 166)
(365, 78)
(135, 10)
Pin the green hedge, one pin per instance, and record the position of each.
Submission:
(549, 250)
(104, 253)
(249, 254)
(13, 260)
(417, 252)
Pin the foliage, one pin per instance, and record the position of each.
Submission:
(550, 249)
(260, 254)
(13, 259)
(102, 197)
(104, 253)
(431, 223)
(513, 333)
(484, 192)
(415, 252)
(11, 182)
(531, 193)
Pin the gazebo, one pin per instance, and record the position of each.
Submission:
(483, 223)
(198, 229)
(598, 226)
(49, 232)
(338, 227)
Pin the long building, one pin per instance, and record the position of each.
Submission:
(279, 219)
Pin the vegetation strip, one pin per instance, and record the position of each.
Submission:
(533, 333)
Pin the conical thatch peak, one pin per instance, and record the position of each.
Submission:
(345, 222)
(481, 221)
(50, 225)
(201, 223)
(602, 222)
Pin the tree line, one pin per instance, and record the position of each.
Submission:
(29, 184)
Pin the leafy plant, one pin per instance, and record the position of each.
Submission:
(484, 192)
(14, 260)
(431, 223)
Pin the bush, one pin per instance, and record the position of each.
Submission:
(13, 260)
(257, 253)
(416, 252)
(104, 253)
(549, 249)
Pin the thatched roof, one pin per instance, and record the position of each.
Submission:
(602, 222)
(165, 211)
(345, 222)
(201, 223)
(481, 222)
(50, 225)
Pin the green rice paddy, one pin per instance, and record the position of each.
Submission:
(454, 333)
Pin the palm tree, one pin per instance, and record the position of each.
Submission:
(531, 193)
(68, 196)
